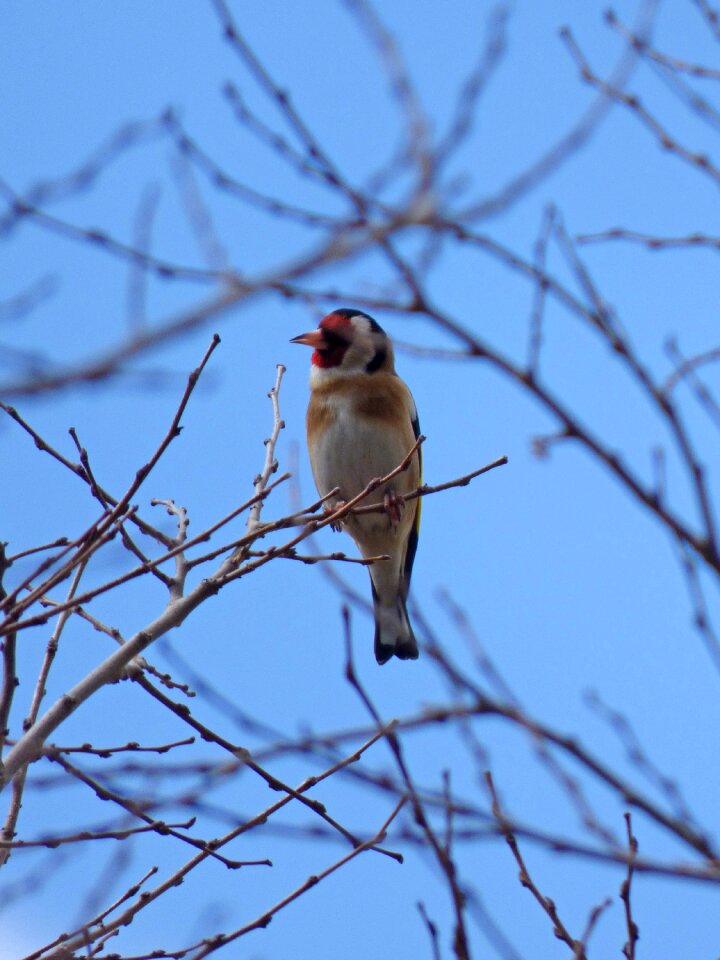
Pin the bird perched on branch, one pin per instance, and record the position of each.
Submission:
(361, 425)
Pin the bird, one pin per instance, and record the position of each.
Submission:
(361, 424)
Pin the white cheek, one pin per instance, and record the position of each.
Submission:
(359, 354)
(321, 375)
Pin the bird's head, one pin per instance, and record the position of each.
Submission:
(349, 341)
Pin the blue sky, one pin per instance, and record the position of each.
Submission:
(568, 583)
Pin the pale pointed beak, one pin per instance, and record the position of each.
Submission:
(314, 339)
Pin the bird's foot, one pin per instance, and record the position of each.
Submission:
(394, 504)
(329, 509)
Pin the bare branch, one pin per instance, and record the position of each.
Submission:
(214, 943)
(548, 906)
(442, 853)
(626, 893)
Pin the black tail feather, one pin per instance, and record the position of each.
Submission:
(393, 634)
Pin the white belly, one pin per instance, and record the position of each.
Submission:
(352, 452)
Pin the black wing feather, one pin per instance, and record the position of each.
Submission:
(413, 538)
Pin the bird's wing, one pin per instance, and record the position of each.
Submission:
(415, 531)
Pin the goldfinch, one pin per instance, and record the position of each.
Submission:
(361, 424)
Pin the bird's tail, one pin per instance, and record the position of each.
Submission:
(393, 633)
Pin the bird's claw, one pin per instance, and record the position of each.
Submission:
(329, 509)
(394, 504)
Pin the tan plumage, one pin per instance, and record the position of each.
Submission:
(361, 424)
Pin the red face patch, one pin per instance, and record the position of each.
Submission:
(338, 334)
(336, 323)
(330, 356)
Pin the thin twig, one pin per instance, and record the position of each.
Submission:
(214, 943)
(271, 464)
(548, 906)
(461, 945)
(626, 893)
